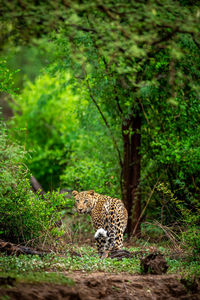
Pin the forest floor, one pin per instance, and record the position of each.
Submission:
(84, 276)
(75, 271)
(101, 285)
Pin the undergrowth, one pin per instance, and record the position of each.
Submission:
(88, 261)
(185, 268)
(24, 216)
(38, 269)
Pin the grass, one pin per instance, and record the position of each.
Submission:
(39, 277)
(187, 269)
(89, 261)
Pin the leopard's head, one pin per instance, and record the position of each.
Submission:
(84, 201)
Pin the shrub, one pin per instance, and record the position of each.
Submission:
(23, 215)
(191, 239)
(6, 78)
(92, 174)
(189, 219)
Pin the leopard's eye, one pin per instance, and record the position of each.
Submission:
(77, 201)
(86, 201)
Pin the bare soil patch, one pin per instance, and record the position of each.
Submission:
(101, 285)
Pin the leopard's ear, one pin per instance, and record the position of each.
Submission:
(74, 193)
(91, 192)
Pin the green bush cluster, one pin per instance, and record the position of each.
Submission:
(6, 78)
(23, 214)
(88, 174)
(189, 220)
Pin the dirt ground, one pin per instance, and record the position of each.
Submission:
(102, 285)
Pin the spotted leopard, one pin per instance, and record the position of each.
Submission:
(109, 218)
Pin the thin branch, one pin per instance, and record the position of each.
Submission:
(194, 40)
(83, 28)
(106, 122)
(169, 233)
(106, 65)
(164, 38)
(196, 187)
(118, 105)
(178, 30)
(152, 191)
(107, 11)
(141, 105)
(107, 125)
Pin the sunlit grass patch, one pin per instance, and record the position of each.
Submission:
(39, 277)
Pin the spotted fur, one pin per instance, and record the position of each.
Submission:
(109, 218)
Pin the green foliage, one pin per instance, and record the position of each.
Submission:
(89, 261)
(39, 277)
(151, 232)
(36, 268)
(188, 270)
(169, 141)
(149, 69)
(87, 174)
(30, 59)
(47, 122)
(6, 78)
(190, 219)
(191, 240)
(65, 136)
(170, 131)
(23, 215)
(32, 269)
(120, 67)
(22, 22)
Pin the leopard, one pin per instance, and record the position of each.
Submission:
(109, 218)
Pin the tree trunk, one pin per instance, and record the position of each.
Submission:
(131, 172)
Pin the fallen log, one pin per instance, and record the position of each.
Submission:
(37, 188)
(11, 249)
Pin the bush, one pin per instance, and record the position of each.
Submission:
(191, 240)
(6, 78)
(23, 215)
(189, 218)
(92, 174)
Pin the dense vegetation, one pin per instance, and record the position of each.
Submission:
(105, 95)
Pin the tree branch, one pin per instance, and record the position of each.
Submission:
(106, 65)
(194, 40)
(107, 11)
(178, 30)
(105, 121)
(85, 29)
(151, 194)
